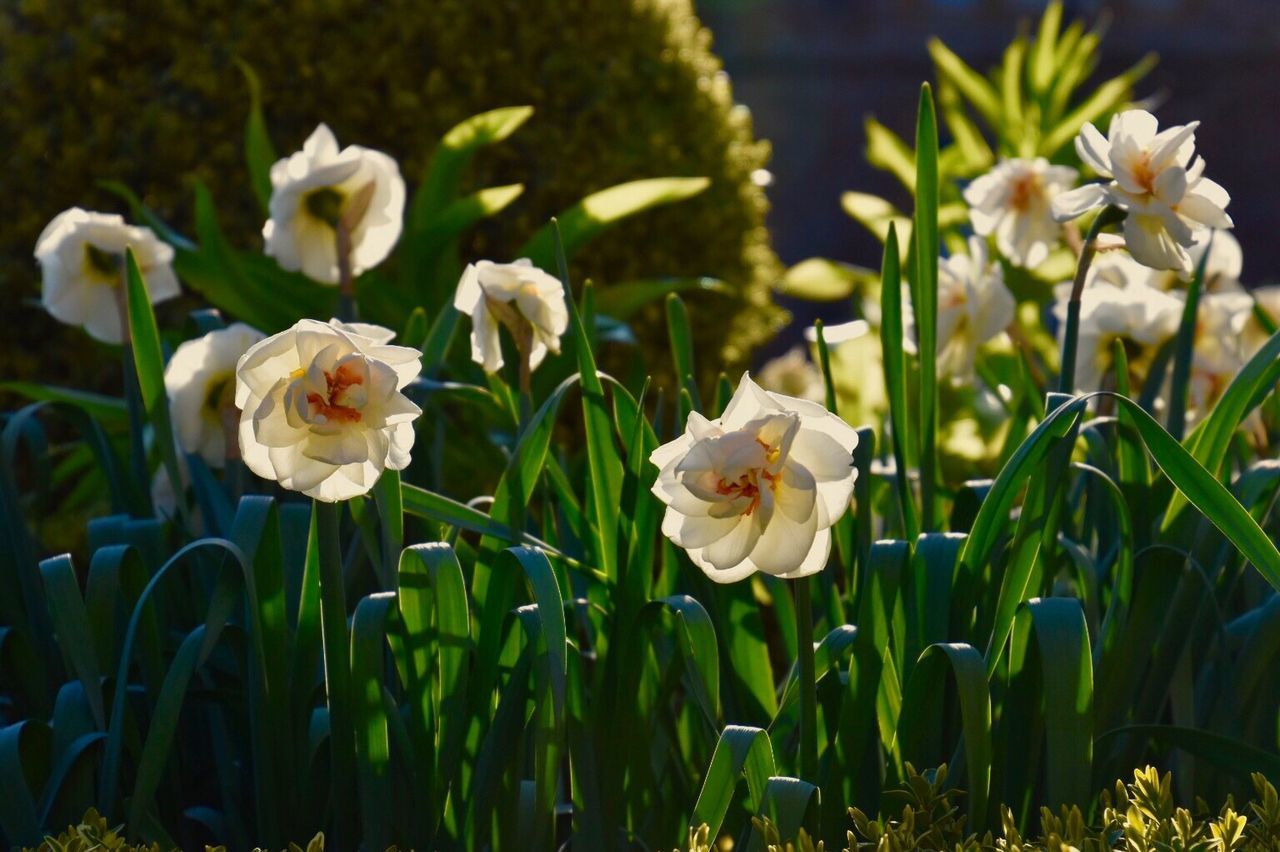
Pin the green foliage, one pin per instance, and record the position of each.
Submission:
(152, 97)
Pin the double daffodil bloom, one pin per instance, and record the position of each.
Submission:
(322, 410)
(1155, 177)
(758, 488)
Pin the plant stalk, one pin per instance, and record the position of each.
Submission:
(346, 281)
(1071, 335)
(808, 691)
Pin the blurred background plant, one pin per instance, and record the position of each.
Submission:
(149, 95)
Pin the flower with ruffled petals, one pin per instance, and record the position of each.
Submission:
(759, 488)
(1218, 350)
(1155, 177)
(81, 257)
(322, 410)
(320, 186)
(200, 380)
(1013, 201)
(529, 301)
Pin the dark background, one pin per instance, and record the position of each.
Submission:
(810, 70)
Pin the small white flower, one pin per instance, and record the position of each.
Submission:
(518, 292)
(1155, 180)
(759, 488)
(322, 410)
(1218, 350)
(1012, 201)
(314, 188)
(81, 257)
(974, 305)
(1141, 316)
(793, 374)
(200, 380)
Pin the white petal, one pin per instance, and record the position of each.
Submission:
(1072, 204)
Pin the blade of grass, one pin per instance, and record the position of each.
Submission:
(924, 301)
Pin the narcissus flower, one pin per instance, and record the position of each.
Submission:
(759, 488)
(974, 305)
(200, 380)
(1219, 348)
(1012, 201)
(322, 410)
(793, 374)
(521, 296)
(1140, 316)
(1157, 180)
(318, 187)
(81, 257)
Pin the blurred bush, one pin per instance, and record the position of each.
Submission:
(150, 95)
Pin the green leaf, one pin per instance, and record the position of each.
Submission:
(682, 350)
(922, 703)
(1183, 343)
(259, 153)
(148, 359)
(741, 751)
(1107, 98)
(602, 454)
(1207, 494)
(1065, 663)
(924, 300)
(593, 214)
(1229, 753)
(109, 411)
(1042, 57)
(975, 88)
(877, 215)
(822, 280)
(895, 380)
(433, 656)
(886, 150)
(443, 175)
(1210, 441)
(71, 620)
(374, 619)
(621, 301)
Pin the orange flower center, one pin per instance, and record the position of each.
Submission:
(748, 484)
(329, 405)
(1024, 192)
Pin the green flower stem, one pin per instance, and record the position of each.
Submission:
(337, 672)
(346, 281)
(808, 693)
(137, 412)
(1070, 339)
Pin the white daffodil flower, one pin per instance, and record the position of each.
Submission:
(200, 380)
(1222, 270)
(1218, 350)
(793, 374)
(322, 410)
(974, 305)
(1140, 316)
(318, 187)
(1155, 177)
(520, 295)
(81, 256)
(759, 488)
(1012, 201)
